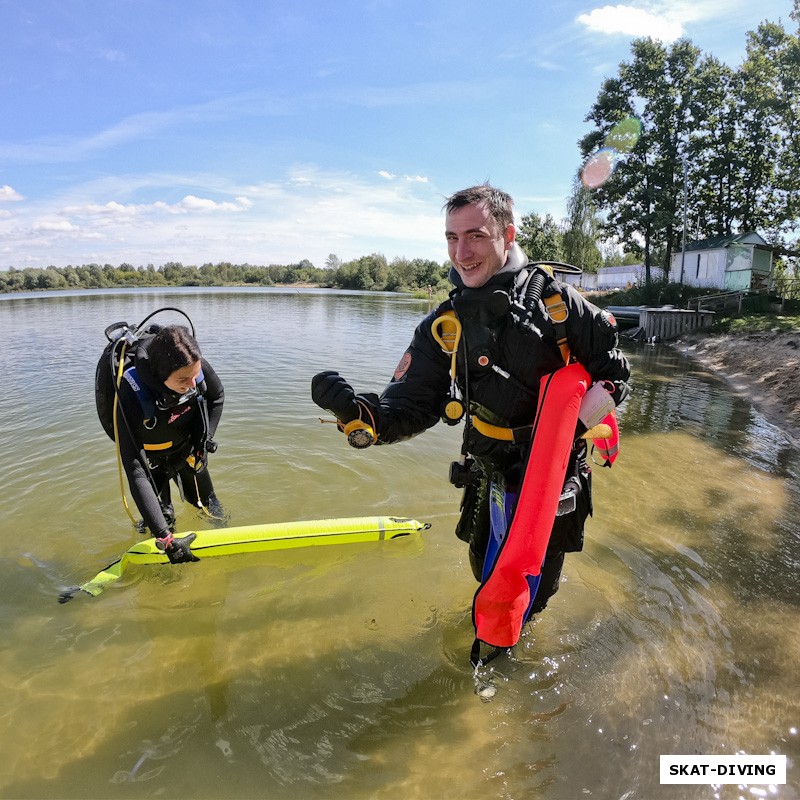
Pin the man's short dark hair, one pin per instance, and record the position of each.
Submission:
(499, 203)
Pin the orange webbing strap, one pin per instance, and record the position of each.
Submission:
(558, 313)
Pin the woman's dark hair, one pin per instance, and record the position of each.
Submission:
(173, 347)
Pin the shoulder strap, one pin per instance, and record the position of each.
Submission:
(537, 287)
(558, 312)
(141, 392)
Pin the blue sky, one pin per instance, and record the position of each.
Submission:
(147, 131)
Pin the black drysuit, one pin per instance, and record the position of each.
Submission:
(507, 345)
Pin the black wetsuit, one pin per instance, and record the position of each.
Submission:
(504, 352)
(174, 433)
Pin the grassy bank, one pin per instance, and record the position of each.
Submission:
(757, 323)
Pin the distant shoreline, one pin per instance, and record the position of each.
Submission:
(169, 286)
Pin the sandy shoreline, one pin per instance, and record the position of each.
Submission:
(764, 367)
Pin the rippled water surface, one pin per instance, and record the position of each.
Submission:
(342, 672)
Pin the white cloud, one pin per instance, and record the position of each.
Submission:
(636, 22)
(306, 213)
(113, 56)
(54, 226)
(702, 10)
(388, 175)
(9, 195)
(112, 210)
(191, 203)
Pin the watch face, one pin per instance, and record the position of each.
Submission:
(360, 438)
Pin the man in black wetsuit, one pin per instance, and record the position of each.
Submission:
(509, 339)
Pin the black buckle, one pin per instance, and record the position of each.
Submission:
(462, 475)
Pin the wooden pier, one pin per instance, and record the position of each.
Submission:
(659, 324)
(662, 324)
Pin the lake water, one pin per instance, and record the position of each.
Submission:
(343, 672)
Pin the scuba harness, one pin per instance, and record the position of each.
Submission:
(447, 331)
(531, 287)
(117, 363)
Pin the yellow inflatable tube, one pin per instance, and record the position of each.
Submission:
(258, 538)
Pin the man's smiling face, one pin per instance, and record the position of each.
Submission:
(477, 247)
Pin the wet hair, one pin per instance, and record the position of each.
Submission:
(172, 348)
(499, 203)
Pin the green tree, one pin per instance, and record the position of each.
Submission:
(713, 162)
(51, 278)
(770, 102)
(579, 238)
(428, 273)
(368, 272)
(212, 274)
(642, 200)
(15, 280)
(736, 133)
(401, 275)
(540, 238)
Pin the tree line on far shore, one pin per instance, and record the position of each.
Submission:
(371, 272)
(540, 238)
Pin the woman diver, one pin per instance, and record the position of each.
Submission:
(165, 407)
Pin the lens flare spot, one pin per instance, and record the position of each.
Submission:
(598, 168)
(624, 135)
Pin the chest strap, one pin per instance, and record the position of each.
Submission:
(517, 435)
(524, 433)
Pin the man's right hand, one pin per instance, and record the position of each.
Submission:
(329, 390)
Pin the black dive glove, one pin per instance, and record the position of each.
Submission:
(178, 550)
(329, 390)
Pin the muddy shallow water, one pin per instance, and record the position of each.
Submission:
(342, 672)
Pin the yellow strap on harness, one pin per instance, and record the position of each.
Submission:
(558, 313)
(523, 434)
(159, 446)
(494, 431)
